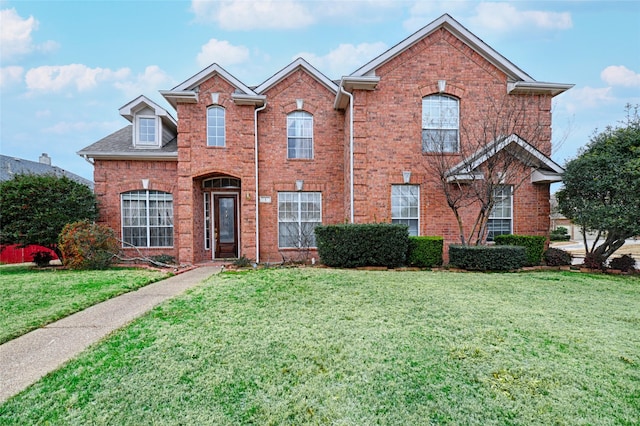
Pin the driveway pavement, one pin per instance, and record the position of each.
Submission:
(27, 358)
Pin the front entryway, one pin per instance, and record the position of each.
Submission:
(225, 225)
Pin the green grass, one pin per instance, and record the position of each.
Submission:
(341, 347)
(31, 298)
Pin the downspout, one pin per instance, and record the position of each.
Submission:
(255, 132)
(350, 151)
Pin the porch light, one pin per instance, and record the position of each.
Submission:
(299, 184)
(406, 176)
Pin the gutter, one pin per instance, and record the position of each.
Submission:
(255, 132)
(350, 151)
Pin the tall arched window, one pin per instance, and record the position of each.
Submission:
(215, 126)
(299, 135)
(147, 218)
(440, 123)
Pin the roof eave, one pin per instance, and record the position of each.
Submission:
(183, 97)
(537, 87)
(155, 156)
(242, 99)
(351, 83)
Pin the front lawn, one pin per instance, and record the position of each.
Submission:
(344, 347)
(31, 298)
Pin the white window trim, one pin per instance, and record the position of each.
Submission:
(510, 208)
(307, 114)
(406, 218)
(457, 129)
(298, 221)
(224, 126)
(136, 132)
(147, 226)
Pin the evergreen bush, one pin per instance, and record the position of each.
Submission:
(86, 245)
(557, 257)
(487, 258)
(533, 244)
(425, 252)
(356, 245)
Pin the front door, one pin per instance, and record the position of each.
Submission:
(225, 226)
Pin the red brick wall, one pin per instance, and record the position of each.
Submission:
(324, 173)
(112, 178)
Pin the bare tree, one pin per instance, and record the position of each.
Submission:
(500, 145)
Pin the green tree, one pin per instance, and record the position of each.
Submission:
(601, 190)
(35, 208)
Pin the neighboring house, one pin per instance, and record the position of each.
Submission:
(250, 171)
(10, 167)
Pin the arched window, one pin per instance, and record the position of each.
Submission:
(147, 218)
(440, 123)
(299, 135)
(215, 126)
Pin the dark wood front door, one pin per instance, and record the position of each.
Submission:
(225, 226)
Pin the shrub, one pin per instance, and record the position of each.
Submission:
(487, 258)
(560, 234)
(425, 252)
(42, 258)
(593, 261)
(533, 244)
(625, 263)
(354, 245)
(557, 257)
(87, 245)
(243, 262)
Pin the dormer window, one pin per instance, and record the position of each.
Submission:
(147, 131)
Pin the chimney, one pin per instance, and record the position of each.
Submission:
(45, 159)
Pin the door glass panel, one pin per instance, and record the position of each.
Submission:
(227, 225)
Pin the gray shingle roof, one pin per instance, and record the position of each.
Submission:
(12, 166)
(119, 144)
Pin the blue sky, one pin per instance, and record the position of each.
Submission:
(66, 67)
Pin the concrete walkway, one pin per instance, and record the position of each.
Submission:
(27, 358)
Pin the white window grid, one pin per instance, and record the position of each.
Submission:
(147, 218)
(501, 217)
(299, 135)
(440, 123)
(147, 131)
(298, 215)
(405, 206)
(216, 126)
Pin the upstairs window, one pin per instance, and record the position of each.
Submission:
(215, 126)
(501, 218)
(147, 134)
(299, 135)
(440, 123)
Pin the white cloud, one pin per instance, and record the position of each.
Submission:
(221, 52)
(497, 17)
(15, 35)
(58, 78)
(619, 75)
(10, 75)
(504, 17)
(253, 14)
(585, 98)
(345, 59)
(65, 127)
(152, 80)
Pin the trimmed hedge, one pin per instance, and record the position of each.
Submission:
(557, 257)
(425, 252)
(533, 243)
(487, 258)
(355, 245)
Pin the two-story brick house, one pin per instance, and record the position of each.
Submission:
(249, 171)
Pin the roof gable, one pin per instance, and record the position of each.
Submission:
(130, 109)
(546, 170)
(459, 31)
(213, 69)
(292, 67)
